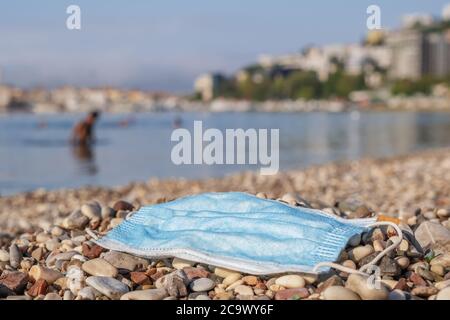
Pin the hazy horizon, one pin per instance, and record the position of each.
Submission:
(165, 45)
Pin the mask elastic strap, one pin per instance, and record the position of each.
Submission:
(362, 270)
(336, 266)
(386, 251)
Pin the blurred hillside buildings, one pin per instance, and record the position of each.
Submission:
(419, 48)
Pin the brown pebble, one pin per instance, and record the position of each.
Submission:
(123, 205)
(38, 288)
(292, 294)
(150, 271)
(330, 282)
(194, 273)
(104, 225)
(424, 292)
(156, 275)
(94, 224)
(261, 285)
(15, 281)
(139, 278)
(91, 252)
(417, 280)
(250, 280)
(401, 285)
(38, 253)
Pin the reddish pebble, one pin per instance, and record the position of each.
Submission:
(38, 288)
(139, 278)
(260, 285)
(417, 280)
(91, 252)
(156, 275)
(292, 294)
(15, 281)
(401, 285)
(194, 273)
(150, 271)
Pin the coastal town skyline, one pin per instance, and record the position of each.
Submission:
(161, 58)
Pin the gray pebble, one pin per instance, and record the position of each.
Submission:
(15, 256)
(202, 284)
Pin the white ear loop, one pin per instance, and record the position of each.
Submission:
(374, 261)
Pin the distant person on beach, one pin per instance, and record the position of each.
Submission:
(83, 132)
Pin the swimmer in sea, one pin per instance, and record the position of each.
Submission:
(83, 132)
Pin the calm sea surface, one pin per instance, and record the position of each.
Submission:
(34, 149)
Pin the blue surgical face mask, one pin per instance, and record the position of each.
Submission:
(237, 231)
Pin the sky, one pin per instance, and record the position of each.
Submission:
(165, 44)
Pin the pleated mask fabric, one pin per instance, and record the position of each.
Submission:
(237, 231)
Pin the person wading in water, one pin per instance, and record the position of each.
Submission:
(83, 132)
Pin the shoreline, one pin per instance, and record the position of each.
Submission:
(374, 109)
(391, 186)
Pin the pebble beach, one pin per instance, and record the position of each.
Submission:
(47, 249)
